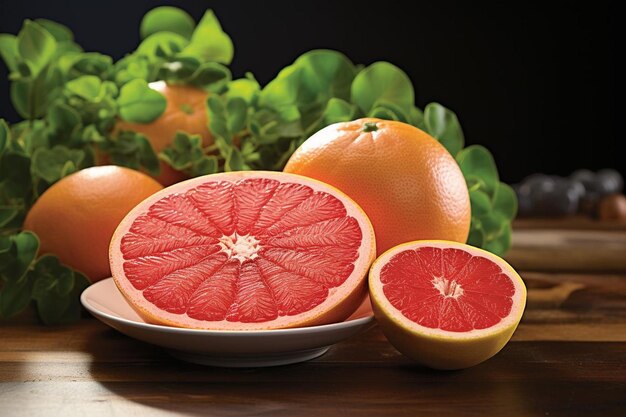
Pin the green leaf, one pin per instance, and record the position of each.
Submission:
(162, 44)
(132, 67)
(480, 202)
(132, 150)
(218, 122)
(7, 214)
(87, 87)
(237, 114)
(31, 98)
(382, 81)
(186, 154)
(502, 243)
(167, 19)
(234, 161)
(36, 46)
(61, 33)
(325, 74)
(26, 246)
(416, 118)
(15, 296)
(281, 94)
(476, 236)
(63, 118)
(338, 110)
(184, 150)
(505, 201)
(476, 162)
(208, 164)
(15, 176)
(56, 291)
(52, 164)
(244, 88)
(139, 103)
(389, 111)
(9, 51)
(91, 63)
(444, 125)
(210, 75)
(5, 136)
(209, 42)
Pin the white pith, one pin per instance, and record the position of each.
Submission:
(376, 292)
(246, 247)
(448, 288)
(242, 247)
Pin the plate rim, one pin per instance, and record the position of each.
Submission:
(361, 321)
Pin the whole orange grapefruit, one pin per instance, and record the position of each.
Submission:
(75, 218)
(186, 111)
(406, 181)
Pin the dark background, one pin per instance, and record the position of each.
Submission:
(535, 83)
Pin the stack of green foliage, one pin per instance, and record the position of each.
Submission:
(71, 99)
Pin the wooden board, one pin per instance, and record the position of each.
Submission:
(567, 358)
(568, 250)
(570, 223)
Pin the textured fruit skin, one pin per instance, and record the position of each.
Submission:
(75, 218)
(161, 132)
(408, 184)
(446, 350)
(346, 302)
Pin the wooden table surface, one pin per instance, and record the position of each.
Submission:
(567, 358)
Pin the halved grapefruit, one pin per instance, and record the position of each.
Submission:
(244, 251)
(444, 304)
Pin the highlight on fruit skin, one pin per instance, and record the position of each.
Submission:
(444, 304)
(404, 179)
(247, 250)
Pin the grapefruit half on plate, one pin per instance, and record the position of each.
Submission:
(445, 304)
(244, 251)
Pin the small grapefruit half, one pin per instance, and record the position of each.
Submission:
(446, 305)
(244, 251)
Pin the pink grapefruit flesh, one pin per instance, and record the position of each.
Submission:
(446, 304)
(244, 251)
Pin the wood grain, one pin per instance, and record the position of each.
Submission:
(567, 358)
(570, 223)
(568, 250)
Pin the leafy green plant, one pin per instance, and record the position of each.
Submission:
(70, 101)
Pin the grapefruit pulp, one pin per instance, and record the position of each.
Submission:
(244, 251)
(444, 304)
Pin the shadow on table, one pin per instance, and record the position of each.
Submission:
(518, 381)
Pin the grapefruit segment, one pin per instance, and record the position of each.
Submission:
(446, 304)
(244, 250)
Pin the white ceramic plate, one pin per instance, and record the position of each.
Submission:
(219, 347)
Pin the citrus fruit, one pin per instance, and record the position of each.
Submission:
(242, 251)
(75, 218)
(445, 304)
(408, 184)
(186, 111)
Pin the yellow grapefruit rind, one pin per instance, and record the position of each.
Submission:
(340, 306)
(436, 348)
